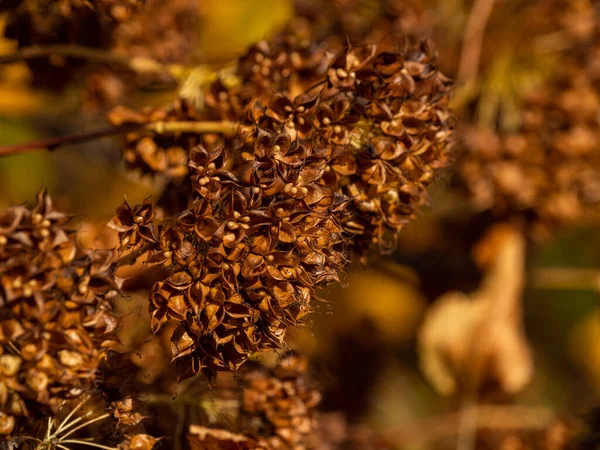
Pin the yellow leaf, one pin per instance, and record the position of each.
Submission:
(229, 26)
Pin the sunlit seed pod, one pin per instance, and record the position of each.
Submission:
(10, 365)
(17, 283)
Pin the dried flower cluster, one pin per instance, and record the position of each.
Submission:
(164, 30)
(274, 212)
(275, 407)
(56, 316)
(156, 154)
(56, 312)
(105, 34)
(290, 63)
(64, 21)
(313, 148)
(547, 168)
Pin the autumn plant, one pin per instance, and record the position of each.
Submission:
(311, 151)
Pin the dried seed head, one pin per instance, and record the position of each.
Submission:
(273, 213)
(52, 332)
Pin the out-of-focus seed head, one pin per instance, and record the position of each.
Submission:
(546, 170)
(56, 312)
(89, 24)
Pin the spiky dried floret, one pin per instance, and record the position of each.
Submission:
(274, 213)
(56, 314)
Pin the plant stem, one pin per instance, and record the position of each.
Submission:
(65, 427)
(130, 258)
(135, 64)
(473, 39)
(220, 127)
(65, 423)
(565, 278)
(224, 127)
(52, 143)
(83, 425)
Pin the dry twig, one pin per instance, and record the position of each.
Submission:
(473, 39)
(220, 127)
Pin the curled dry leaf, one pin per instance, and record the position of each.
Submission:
(472, 341)
(202, 438)
(142, 442)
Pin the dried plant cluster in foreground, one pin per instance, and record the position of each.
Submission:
(319, 157)
(276, 211)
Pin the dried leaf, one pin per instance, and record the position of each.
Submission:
(472, 341)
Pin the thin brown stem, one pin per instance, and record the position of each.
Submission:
(53, 143)
(220, 127)
(473, 40)
(491, 417)
(135, 64)
(565, 278)
(73, 423)
(224, 127)
(130, 258)
(83, 425)
(65, 423)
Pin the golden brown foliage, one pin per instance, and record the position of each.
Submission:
(274, 212)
